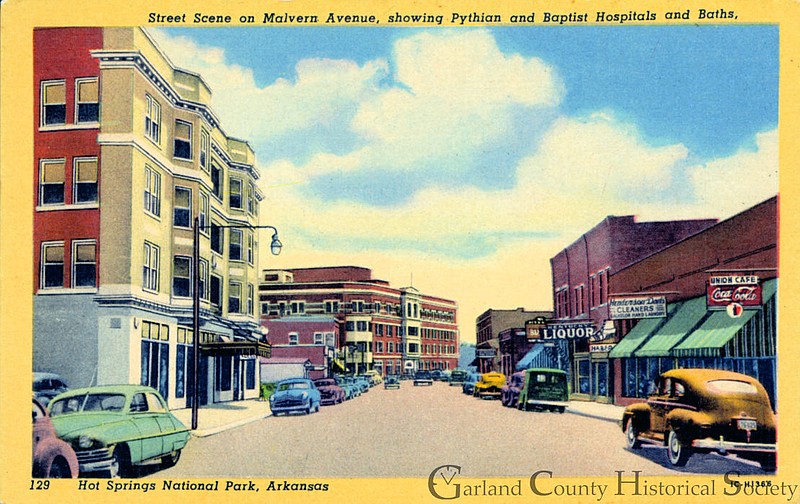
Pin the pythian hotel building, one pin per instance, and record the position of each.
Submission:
(128, 154)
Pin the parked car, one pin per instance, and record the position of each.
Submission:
(294, 394)
(445, 375)
(329, 391)
(436, 375)
(363, 382)
(423, 378)
(347, 386)
(705, 410)
(114, 427)
(469, 383)
(544, 389)
(489, 385)
(457, 377)
(52, 457)
(48, 385)
(376, 376)
(510, 391)
(391, 382)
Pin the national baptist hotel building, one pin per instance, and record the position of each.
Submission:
(127, 153)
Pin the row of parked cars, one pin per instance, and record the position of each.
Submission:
(302, 395)
(537, 389)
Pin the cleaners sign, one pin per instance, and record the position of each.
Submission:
(638, 307)
(743, 290)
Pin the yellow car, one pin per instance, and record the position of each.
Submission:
(490, 385)
(376, 376)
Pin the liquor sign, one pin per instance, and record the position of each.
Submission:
(637, 307)
(567, 331)
(743, 290)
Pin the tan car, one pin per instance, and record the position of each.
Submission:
(705, 410)
(490, 385)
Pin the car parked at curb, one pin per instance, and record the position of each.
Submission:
(295, 395)
(510, 391)
(457, 377)
(329, 391)
(376, 376)
(391, 382)
(48, 385)
(348, 387)
(423, 377)
(468, 387)
(52, 457)
(436, 375)
(544, 389)
(705, 410)
(115, 427)
(490, 385)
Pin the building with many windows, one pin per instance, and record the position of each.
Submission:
(488, 326)
(390, 330)
(128, 153)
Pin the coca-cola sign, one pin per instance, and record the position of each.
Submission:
(719, 296)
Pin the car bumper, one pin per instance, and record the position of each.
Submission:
(537, 402)
(94, 460)
(733, 446)
(423, 382)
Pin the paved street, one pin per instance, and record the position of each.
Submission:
(409, 432)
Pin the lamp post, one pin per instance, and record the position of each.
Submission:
(275, 247)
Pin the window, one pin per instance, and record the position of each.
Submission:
(380, 347)
(87, 102)
(250, 247)
(182, 207)
(152, 119)
(155, 356)
(182, 276)
(217, 240)
(203, 279)
(298, 307)
(51, 182)
(357, 306)
(293, 338)
(85, 180)
(54, 103)
(318, 339)
(251, 299)
(204, 149)
(150, 267)
(52, 273)
(216, 290)
(183, 140)
(251, 198)
(235, 193)
(216, 180)
(331, 306)
(203, 217)
(361, 325)
(235, 297)
(235, 248)
(391, 347)
(152, 191)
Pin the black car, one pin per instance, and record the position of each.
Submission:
(423, 378)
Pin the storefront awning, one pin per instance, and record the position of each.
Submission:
(255, 348)
(678, 325)
(526, 361)
(636, 336)
(338, 366)
(715, 331)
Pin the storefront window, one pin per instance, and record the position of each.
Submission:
(584, 368)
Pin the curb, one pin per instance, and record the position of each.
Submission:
(201, 433)
(593, 415)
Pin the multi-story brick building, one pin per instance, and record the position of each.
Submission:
(581, 291)
(488, 326)
(383, 328)
(314, 338)
(128, 153)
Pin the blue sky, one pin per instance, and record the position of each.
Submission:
(463, 152)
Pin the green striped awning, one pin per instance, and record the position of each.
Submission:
(638, 335)
(682, 321)
(715, 331)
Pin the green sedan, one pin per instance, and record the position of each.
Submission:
(113, 427)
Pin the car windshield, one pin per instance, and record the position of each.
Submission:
(732, 386)
(88, 402)
(324, 383)
(293, 385)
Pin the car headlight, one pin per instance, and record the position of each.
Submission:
(85, 442)
(305, 395)
(271, 398)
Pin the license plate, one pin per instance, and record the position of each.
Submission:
(747, 424)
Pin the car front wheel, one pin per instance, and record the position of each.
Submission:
(677, 452)
(59, 469)
(120, 463)
(170, 459)
(632, 435)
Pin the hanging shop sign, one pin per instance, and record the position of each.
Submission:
(601, 347)
(743, 290)
(486, 353)
(533, 328)
(638, 307)
(567, 331)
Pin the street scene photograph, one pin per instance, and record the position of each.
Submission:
(350, 252)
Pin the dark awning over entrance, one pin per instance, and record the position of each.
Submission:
(256, 348)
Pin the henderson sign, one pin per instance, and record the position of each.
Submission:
(637, 307)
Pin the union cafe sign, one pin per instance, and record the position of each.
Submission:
(743, 290)
(567, 331)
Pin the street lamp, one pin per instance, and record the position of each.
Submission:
(275, 248)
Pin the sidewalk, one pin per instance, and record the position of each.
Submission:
(609, 412)
(218, 417)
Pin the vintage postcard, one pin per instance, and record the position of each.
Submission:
(297, 251)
